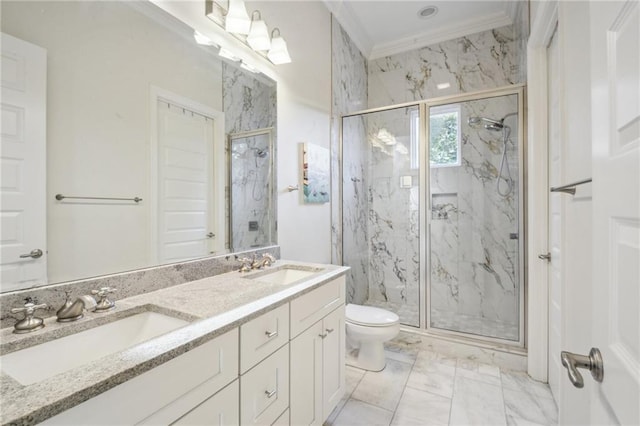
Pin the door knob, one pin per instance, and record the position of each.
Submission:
(593, 363)
(34, 254)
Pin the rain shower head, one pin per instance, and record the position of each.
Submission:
(490, 124)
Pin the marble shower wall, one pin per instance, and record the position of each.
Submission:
(380, 216)
(251, 212)
(348, 213)
(479, 61)
(250, 103)
(474, 230)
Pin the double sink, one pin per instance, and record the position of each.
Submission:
(43, 361)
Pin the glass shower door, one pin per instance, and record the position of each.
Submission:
(381, 210)
(474, 235)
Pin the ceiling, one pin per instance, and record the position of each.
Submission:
(381, 28)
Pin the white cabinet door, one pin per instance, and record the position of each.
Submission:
(333, 360)
(306, 377)
(264, 390)
(317, 370)
(615, 91)
(221, 409)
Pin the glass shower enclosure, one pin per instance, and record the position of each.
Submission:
(432, 213)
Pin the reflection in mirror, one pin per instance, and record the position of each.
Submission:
(251, 196)
(106, 68)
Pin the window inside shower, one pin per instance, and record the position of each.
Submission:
(432, 216)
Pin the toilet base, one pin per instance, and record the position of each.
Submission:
(368, 356)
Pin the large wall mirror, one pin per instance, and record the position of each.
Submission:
(137, 124)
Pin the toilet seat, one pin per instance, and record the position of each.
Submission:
(370, 316)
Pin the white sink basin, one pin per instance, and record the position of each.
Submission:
(284, 275)
(43, 361)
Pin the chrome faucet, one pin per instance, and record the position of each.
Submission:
(266, 260)
(74, 311)
(246, 264)
(104, 304)
(256, 263)
(29, 323)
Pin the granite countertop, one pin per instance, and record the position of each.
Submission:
(212, 305)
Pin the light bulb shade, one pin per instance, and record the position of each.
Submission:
(258, 37)
(237, 20)
(278, 53)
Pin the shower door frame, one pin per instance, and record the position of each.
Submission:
(425, 217)
(424, 285)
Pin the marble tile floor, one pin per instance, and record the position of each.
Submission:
(420, 387)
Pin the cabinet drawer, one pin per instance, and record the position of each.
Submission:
(262, 336)
(283, 420)
(165, 393)
(311, 307)
(222, 408)
(264, 390)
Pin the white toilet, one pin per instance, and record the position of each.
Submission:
(367, 329)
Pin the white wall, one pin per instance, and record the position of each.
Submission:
(304, 108)
(100, 68)
(575, 241)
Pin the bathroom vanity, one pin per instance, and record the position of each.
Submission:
(263, 347)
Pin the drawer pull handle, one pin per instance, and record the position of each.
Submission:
(271, 334)
(329, 330)
(323, 335)
(270, 394)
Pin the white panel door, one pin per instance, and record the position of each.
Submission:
(23, 160)
(615, 91)
(185, 179)
(555, 217)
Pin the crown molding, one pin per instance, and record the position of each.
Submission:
(461, 29)
(513, 7)
(344, 15)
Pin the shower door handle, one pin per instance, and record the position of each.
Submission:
(546, 257)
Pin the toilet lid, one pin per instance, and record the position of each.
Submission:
(369, 315)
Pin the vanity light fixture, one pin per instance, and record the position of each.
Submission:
(202, 39)
(237, 19)
(227, 54)
(278, 54)
(258, 37)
